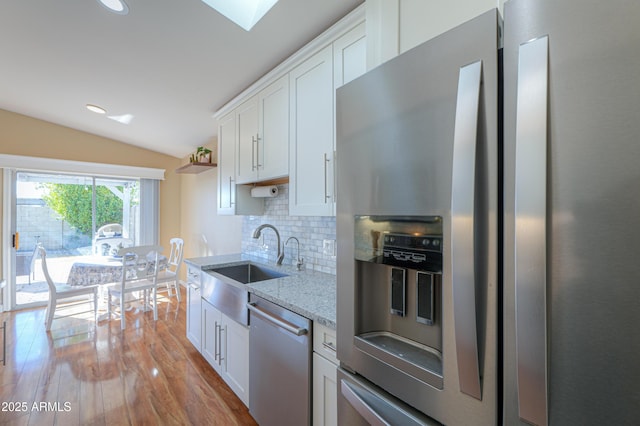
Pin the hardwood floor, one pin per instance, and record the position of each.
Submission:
(83, 374)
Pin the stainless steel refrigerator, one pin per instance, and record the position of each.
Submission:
(417, 228)
(572, 212)
(488, 223)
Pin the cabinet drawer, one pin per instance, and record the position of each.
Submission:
(193, 275)
(324, 342)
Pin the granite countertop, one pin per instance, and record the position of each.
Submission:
(308, 293)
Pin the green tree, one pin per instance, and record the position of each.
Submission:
(73, 204)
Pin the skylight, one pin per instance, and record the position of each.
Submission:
(245, 13)
(115, 6)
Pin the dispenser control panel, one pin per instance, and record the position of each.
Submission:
(423, 252)
(413, 242)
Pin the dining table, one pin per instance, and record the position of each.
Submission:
(100, 270)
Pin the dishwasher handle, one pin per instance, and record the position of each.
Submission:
(282, 323)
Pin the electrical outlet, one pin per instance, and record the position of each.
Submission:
(329, 247)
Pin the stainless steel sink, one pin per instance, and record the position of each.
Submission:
(248, 273)
(223, 287)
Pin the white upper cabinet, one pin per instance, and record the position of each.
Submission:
(232, 199)
(247, 119)
(350, 55)
(311, 152)
(395, 26)
(226, 164)
(285, 126)
(312, 92)
(263, 134)
(273, 141)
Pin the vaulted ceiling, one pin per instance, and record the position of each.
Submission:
(167, 65)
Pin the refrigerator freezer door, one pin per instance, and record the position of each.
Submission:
(587, 280)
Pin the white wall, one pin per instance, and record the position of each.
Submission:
(200, 219)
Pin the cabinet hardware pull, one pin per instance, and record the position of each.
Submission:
(215, 341)
(219, 333)
(326, 196)
(231, 202)
(258, 165)
(254, 148)
(329, 346)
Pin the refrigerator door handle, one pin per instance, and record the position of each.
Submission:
(530, 231)
(462, 228)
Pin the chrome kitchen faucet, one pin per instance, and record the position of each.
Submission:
(299, 260)
(256, 235)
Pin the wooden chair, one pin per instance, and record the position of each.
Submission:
(170, 275)
(139, 275)
(59, 292)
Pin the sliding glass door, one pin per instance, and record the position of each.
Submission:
(73, 217)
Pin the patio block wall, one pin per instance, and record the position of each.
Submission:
(35, 219)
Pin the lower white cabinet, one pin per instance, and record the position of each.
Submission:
(225, 345)
(211, 335)
(236, 358)
(325, 371)
(194, 313)
(325, 392)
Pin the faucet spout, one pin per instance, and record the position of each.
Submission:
(299, 260)
(256, 234)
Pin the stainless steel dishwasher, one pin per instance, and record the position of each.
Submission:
(279, 365)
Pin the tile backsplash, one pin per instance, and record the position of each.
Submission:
(311, 231)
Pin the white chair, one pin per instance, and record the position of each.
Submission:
(139, 275)
(59, 292)
(170, 275)
(107, 239)
(110, 246)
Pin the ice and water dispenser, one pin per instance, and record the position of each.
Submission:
(398, 292)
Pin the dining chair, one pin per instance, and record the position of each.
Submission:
(58, 293)
(139, 275)
(170, 275)
(109, 239)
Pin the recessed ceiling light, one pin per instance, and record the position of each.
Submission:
(115, 6)
(245, 13)
(96, 109)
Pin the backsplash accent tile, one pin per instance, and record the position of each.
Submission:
(309, 230)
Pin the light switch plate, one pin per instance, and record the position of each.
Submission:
(329, 247)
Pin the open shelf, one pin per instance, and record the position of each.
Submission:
(193, 168)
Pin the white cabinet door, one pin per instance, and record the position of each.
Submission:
(211, 336)
(273, 139)
(350, 56)
(225, 345)
(311, 147)
(247, 149)
(194, 315)
(236, 358)
(325, 392)
(226, 164)
(232, 198)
